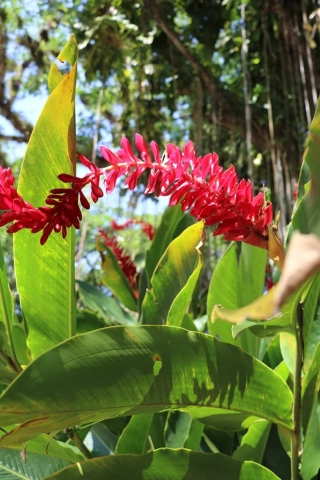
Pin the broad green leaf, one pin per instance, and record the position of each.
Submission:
(177, 429)
(164, 234)
(100, 440)
(222, 419)
(6, 375)
(251, 280)
(43, 455)
(174, 279)
(254, 316)
(223, 290)
(134, 438)
(310, 388)
(306, 217)
(88, 321)
(6, 310)
(45, 275)
(288, 349)
(194, 436)
(115, 279)
(166, 464)
(309, 311)
(252, 272)
(12, 467)
(48, 447)
(106, 307)
(254, 442)
(275, 456)
(272, 355)
(258, 310)
(310, 459)
(198, 374)
(157, 429)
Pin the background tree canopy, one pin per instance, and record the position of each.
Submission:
(238, 78)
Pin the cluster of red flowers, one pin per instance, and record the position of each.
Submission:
(123, 258)
(203, 187)
(146, 227)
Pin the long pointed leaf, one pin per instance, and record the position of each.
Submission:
(166, 464)
(45, 275)
(112, 372)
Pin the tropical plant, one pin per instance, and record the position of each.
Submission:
(143, 383)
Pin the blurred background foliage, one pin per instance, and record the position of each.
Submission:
(236, 77)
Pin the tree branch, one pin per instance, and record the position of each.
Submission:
(228, 119)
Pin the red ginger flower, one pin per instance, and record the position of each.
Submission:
(123, 258)
(146, 227)
(202, 186)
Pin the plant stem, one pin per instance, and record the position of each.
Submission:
(79, 443)
(295, 440)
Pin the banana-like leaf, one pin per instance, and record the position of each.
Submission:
(45, 275)
(306, 218)
(134, 438)
(164, 234)
(174, 279)
(111, 372)
(37, 459)
(166, 464)
(114, 278)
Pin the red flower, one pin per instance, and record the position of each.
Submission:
(124, 260)
(147, 228)
(200, 184)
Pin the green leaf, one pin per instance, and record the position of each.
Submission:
(306, 217)
(183, 431)
(12, 467)
(310, 388)
(6, 375)
(174, 279)
(164, 234)
(106, 307)
(6, 309)
(234, 285)
(177, 429)
(310, 459)
(45, 275)
(134, 438)
(254, 442)
(252, 272)
(49, 447)
(166, 464)
(157, 429)
(115, 279)
(251, 280)
(212, 376)
(44, 456)
(309, 310)
(100, 440)
(223, 290)
(194, 436)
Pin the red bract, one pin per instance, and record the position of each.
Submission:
(124, 260)
(146, 227)
(200, 184)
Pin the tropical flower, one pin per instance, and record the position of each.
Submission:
(199, 184)
(146, 227)
(123, 258)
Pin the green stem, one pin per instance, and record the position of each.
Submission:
(17, 368)
(295, 440)
(79, 443)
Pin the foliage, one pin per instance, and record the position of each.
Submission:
(145, 384)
